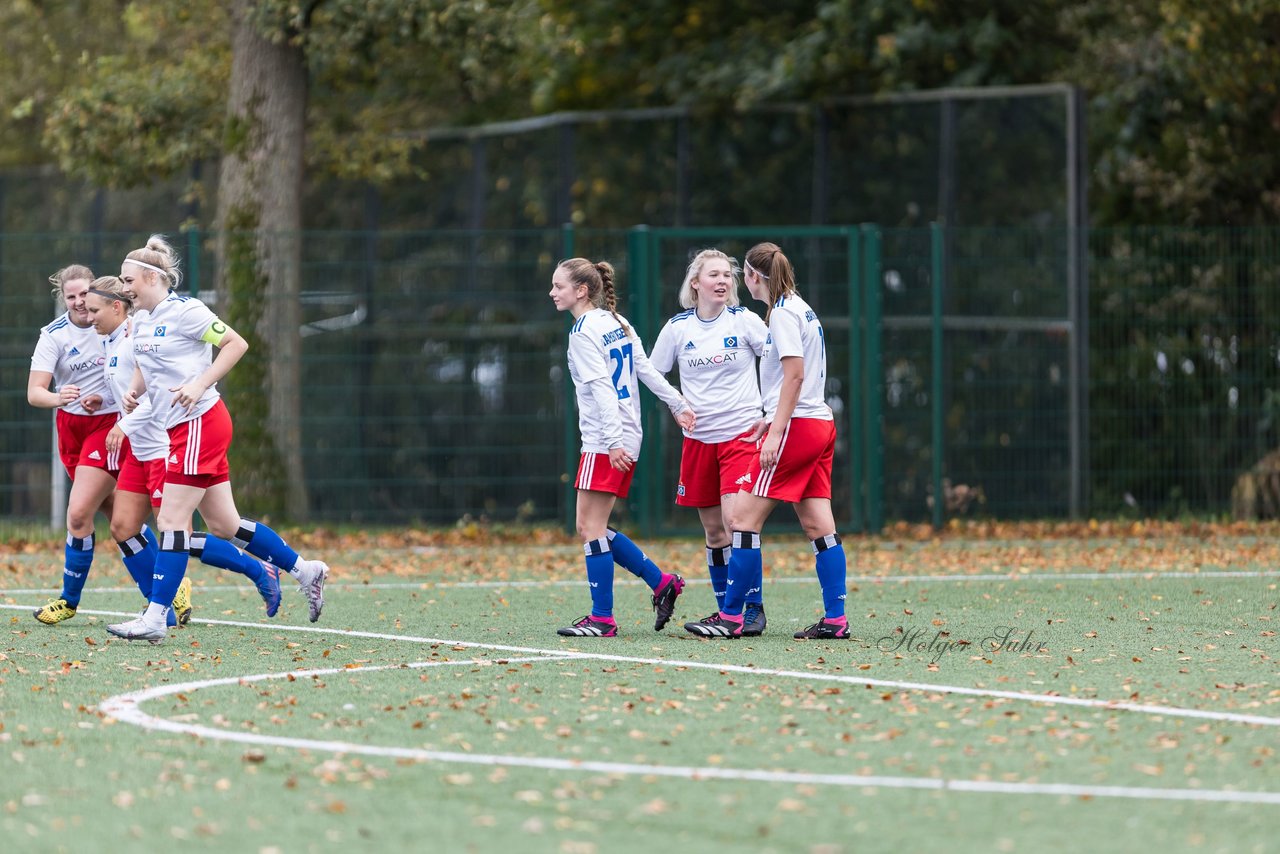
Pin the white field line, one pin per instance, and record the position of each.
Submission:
(625, 582)
(126, 708)
(136, 716)
(924, 687)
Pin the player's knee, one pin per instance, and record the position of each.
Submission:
(221, 528)
(122, 529)
(814, 530)
(79, 520)
(716, 533)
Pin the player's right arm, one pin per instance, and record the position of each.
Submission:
(590, 371)
(663, 356)
(43, 361)
(39, 395)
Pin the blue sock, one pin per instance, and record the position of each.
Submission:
(755, 582)
(744, 567)
(634, 561)
(139, 556)
(718, 571)
(77, 558)
(262, 542)
(600, 576)
(171, 567)
(207, 548)
(830, 563)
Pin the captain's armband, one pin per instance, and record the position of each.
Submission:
(215, 333)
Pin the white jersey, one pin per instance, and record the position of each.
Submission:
(74, 356)
(148, 440)
(794, 330)
(605, 363)
(169, 346)
(717, 362)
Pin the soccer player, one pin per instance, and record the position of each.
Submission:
(715, 344)
(172, 341)
(605, 359)
(794, 463)
(141, 443)
(69, 354)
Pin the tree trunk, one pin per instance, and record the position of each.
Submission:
(259, 260)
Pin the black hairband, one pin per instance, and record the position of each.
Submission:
(111, 296)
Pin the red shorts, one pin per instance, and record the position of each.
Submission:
(803, 469)
(142, 477)
(710, 470)
(595, 474)
(198, 449)
(82, 441)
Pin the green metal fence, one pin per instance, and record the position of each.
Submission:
(997, 368)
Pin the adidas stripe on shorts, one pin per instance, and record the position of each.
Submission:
(803, 469)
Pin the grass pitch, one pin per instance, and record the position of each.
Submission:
(1012, 689)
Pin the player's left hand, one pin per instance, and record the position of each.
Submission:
(115, 439)
(187, 395)
(687, 420)
(769, 450)
(757, 430)
(621, 459)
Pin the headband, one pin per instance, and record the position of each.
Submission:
(148, 266)
(111, 296)
(751, 269)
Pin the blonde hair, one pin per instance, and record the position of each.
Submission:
(68, 274)
(110, 287)
(597, 277)
(772, 266)
(158, 254)
(688, 296)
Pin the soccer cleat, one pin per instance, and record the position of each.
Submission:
(138, 629)
(715, 615)
(664, 600)
(269, 588)
(588, 627)
(311, 576)
(715, 626)
(753, 621)
(822, 630)
(182, 602)
(54, 611)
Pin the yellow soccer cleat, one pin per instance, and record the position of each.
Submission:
(182, 602)
(54, 611)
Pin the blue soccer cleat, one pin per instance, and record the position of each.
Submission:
(269, 587)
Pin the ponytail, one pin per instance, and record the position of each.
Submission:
(158, 257)
(771, 265)
(597, 277)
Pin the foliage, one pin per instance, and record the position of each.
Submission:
(254, 457)
(148, 103)
(1183, 110)
(615, 53)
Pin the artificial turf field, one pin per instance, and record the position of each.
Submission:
(1119, 690)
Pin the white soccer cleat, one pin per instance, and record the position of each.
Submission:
(311, 575)
(138, 629)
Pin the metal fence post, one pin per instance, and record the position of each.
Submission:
(640, 302)
(874, 379)
(937, 243)
(193, 260)
(856, 399)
